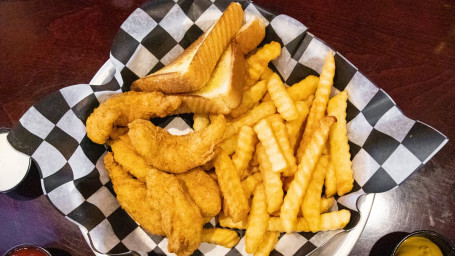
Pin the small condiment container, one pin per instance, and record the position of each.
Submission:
(27, 250)
(14, 165)
(444, 244)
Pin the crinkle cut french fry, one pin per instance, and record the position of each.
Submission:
(267, 245)
(266, 97)
(326, 204)
(266, 74)
(254, 161)
(303, 89)
(330, 180)
(334, 220)
(295, 127)
(270, 143)
(225, 207)
(325, 149)
(299, 184)
(328, 221)
(298, 91)
(250, 118)
(219, 236)
(201, 121)
(258, 220)
(249, 184)
(281, 133)
(280, 97)
(275, 224)
(304, 92)
(259, 60)
(229, 145)
(339, 147)
(249, 171)
(309, 102)
(319, 106)
(231, 187)
(272, 182)
(287, 182)
(275, 214)
(250, 97)
(246, 143)
(311, 206)
(227, 222)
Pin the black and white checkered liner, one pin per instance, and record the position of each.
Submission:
(386, 146)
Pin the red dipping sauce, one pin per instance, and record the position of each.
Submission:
(27, 251)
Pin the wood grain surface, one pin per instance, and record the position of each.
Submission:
(405, 47)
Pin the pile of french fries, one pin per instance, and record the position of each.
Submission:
(282, 147)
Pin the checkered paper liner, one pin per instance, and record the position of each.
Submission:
(386, 146)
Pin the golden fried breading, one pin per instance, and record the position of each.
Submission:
(118, 132)
(181, 219)
(201, 187)
(124, 108)
(220, 236)
(128, 158)
(203, 190)
(131, 194)
(176, 154)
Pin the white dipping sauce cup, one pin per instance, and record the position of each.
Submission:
(14, 165)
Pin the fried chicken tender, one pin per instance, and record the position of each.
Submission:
(181, 219)
(201, 187)
(203, 190)
(118, 132)
(128, 158)
(124, 108)
(131, 194)
(176, 154)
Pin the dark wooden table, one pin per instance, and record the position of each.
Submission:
(405, 47)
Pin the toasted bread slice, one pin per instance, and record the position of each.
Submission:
(226, 81)
(250, 35)
(191, 70)
(224, 90)
(198, 104)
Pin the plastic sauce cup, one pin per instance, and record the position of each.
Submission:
(14, 165)
(27, 250)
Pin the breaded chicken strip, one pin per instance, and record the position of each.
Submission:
(172, 153)
(204, 191)
(128, 158)
(181, 219)
(126, 107)
(131, 195)
(201, 187)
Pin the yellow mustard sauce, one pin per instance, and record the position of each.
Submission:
(418, 246)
